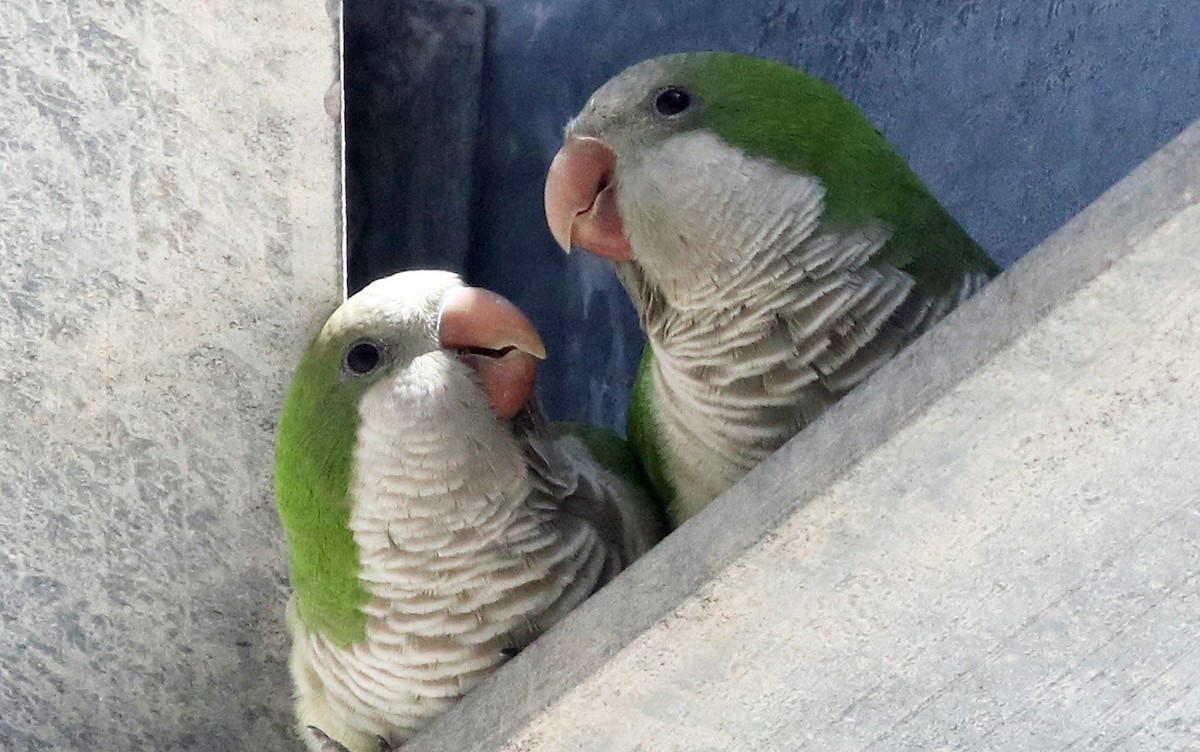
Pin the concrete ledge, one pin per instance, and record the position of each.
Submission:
(995, 544)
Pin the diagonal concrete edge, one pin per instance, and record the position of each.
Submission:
(671, 579)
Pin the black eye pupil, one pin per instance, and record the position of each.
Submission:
(672, 101)
(362, 358)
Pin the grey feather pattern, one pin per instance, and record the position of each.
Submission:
(565, 475)
(758, 316)
(475, 536)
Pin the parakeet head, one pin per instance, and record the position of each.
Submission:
(645, 117)
(389, 330)
(415, 349)
(678, 149)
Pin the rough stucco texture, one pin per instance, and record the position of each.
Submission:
(991, 545)
(1017, 113)
(169, 240)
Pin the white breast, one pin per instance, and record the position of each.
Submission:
(458, 566)
(759, 317)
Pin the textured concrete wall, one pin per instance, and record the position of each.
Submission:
(169, 237)
(991, 545)
(1018, 113)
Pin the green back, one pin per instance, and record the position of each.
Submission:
(774, 111)
(313, 462)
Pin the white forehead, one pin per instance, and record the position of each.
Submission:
(619, 93)
(631, 84)
(403, 299)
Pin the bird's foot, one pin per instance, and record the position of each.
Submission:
(328, 744)
(324, 742)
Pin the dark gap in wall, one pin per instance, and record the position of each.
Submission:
(412, 76)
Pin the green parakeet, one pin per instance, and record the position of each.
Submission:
(435, 524)
(778, 251)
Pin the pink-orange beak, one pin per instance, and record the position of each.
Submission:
(581, 199)
(493, 337)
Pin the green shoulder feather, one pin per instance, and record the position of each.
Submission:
(313, 460)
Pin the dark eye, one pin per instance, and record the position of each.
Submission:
(672, 101)
(362, 358)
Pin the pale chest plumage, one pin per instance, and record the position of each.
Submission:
(460, 565)
(759, 316)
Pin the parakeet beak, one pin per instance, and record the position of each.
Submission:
(581, 199)
(493, 337)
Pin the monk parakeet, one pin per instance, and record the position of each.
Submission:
(778, 251)
(435, 524)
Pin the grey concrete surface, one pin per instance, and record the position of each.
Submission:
(992, 545)
(169, 235)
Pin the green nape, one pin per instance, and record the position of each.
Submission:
(774, 111)
(313, 458)
(643, 434)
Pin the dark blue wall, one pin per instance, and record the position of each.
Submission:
(1016, 114)
(412, 111)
